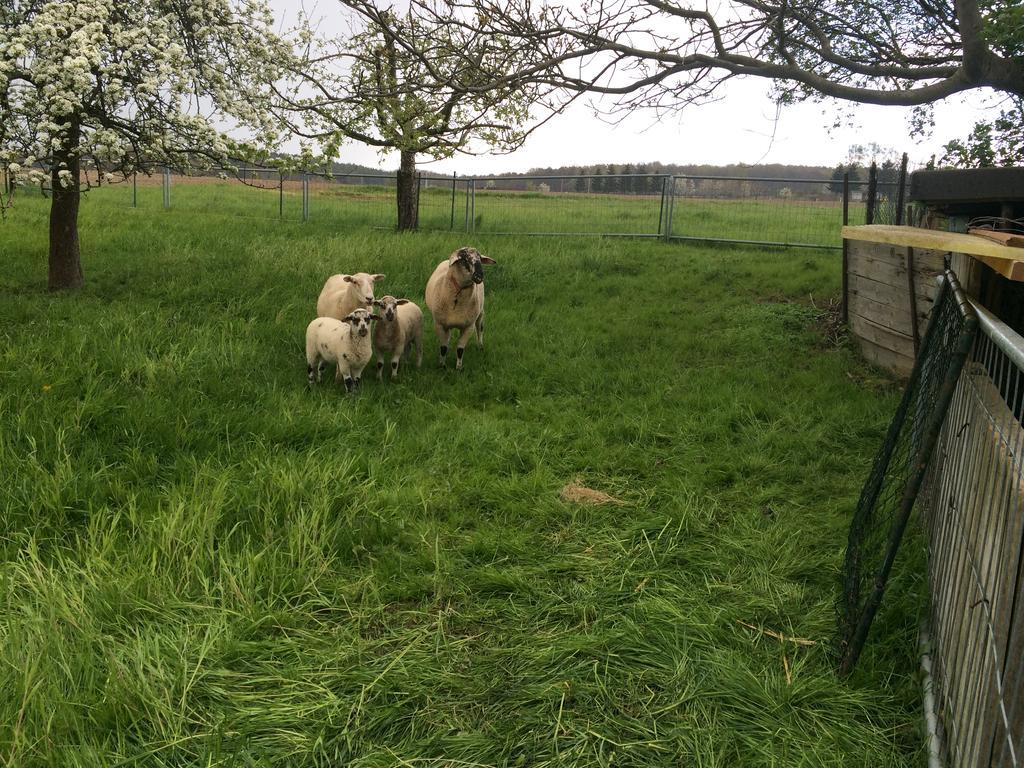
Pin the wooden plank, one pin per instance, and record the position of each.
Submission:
(1007, 261)
(1008, 268)
(888, 315)
(887, 293)
(865, 328)
(882, 267)
(875, 269)
(938, 240)
(924, 284)
(901, 365)
(930, 261)
(882, 252)
(1009, 239)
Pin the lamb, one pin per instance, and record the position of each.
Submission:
(343, 293)
(400, 326)
(455, 296)
(345, 342)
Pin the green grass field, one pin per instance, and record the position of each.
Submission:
(204, 563)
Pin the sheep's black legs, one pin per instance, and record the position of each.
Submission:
(461, 348)
(310, 368)
(442, 336)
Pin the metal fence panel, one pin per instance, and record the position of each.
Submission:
(626, 204)
(782, 211)
(354, 200)
(888, 496)
(975, 527)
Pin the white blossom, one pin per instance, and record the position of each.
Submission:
(117, 81)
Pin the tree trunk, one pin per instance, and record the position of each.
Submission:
(65, 256)
(408, 193)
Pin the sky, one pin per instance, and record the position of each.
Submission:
(744, 126)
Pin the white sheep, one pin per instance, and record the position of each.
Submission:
(400, 326)
(343, 293)
(345, 342)
(455, 296)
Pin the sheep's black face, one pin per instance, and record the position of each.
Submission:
(471, 261)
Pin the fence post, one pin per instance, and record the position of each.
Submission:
(661, 211)
(167, 187)
(901, 191)
(135, 190)
(869, 217)
(419, 191)
(280, 193)
(454, 175)
(845, 307)
(472, 220)
(671, 205)
(468, 181)
(305, 197)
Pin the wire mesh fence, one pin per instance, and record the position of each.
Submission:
(888, 496)
(784, 211)
(974, 522)
(354, 200)
(628, 205)
(737, 209)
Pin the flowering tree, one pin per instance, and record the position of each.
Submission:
(121, 87)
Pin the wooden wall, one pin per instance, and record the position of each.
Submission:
(878, 299)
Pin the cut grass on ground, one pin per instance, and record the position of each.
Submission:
(204, 563)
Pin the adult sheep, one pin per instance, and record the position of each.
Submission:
(455, 297)
(342, 294)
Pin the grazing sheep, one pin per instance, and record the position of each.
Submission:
(343, 293)
(455, 296)
(400, 326)
(345, 342)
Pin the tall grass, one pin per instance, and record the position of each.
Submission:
(205, 563)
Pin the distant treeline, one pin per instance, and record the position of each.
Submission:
(649, 179)
(735, 180)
